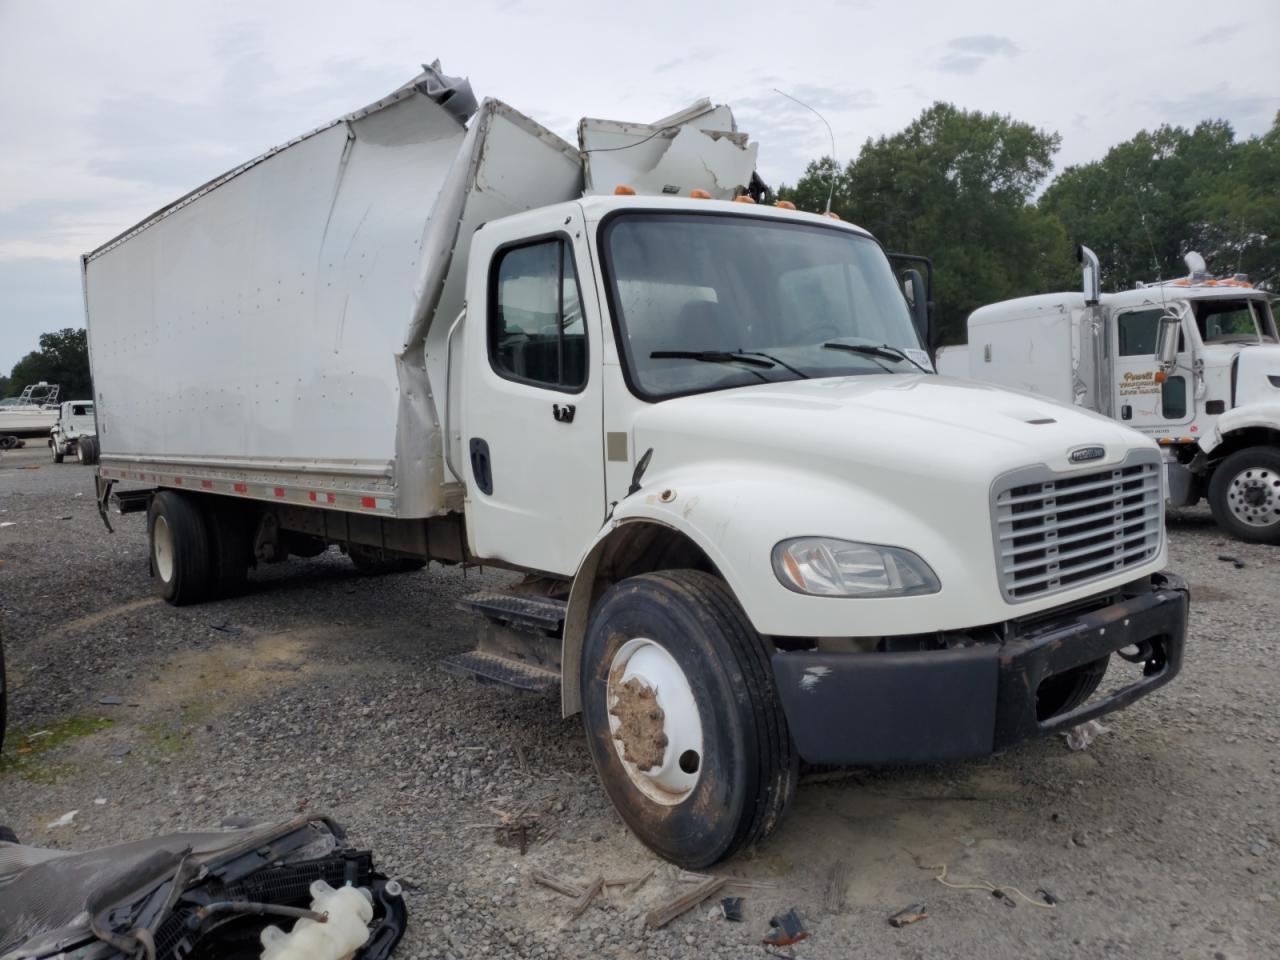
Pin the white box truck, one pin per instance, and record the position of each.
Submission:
(1192, 362)
(755, 528)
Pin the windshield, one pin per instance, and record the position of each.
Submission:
(1232, 321)
(707, 302)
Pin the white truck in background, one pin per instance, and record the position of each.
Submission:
(75, 432)
(754, 526)
(1193, 363)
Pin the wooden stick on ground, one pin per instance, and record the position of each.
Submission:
(559, 886)
(588, 895)
(661, 916)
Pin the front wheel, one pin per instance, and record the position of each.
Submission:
(682, 718)
(1244, 494)
(58, 451)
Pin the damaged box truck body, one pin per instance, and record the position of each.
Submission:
(755, 526)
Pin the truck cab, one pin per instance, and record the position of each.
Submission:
(74, 431)
(1193, 363)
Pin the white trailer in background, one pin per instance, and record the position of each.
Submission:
(1193, 363)
(752, 528)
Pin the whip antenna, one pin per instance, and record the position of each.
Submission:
(835, 167)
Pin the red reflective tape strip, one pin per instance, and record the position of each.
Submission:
(177, 481)
(279, 491)
(368, 502)
(241, 488)
(330, 498)
(311, 495)
(207, 484)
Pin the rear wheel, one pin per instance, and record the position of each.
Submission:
(87, 450)
(181, 558)
(1244, 494)
(682, 718)
(230, 545)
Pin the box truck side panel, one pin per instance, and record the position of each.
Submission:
(257, 323)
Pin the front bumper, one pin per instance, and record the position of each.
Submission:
(960, 703)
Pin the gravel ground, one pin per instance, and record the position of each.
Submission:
(320, 690)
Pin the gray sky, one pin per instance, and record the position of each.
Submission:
(111, 109)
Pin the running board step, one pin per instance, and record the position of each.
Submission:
(531, 614)
(491, 668)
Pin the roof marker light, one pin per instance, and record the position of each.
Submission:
(699, 194)
(785, 205)
(622, 190)
(743, 198)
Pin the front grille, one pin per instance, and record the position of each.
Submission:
(1058, 531)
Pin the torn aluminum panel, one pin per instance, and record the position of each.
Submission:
(699, 148)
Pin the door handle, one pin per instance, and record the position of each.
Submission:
(1126, 412)
(481, 468)
(563, 412)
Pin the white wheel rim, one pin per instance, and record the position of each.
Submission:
(162, 546)
(1254, 496)
(654, 724)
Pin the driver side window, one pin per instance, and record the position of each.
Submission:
(536, 329)
(1138, 331)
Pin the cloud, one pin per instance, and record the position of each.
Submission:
(1218, 102)
(1218, 34)
(790, 136)
(967, 54)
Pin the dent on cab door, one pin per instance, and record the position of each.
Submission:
(531, 399)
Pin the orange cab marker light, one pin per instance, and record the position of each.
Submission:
(832, 215)
(1165, 441)
(622, 190)
(1161, 376)
(743, 198)
(699, 194)
(785, 205)
(1186, 439)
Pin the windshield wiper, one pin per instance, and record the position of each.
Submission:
(884, 350)
(782, 363)
(712, 356)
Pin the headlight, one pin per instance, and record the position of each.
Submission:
(841, 568)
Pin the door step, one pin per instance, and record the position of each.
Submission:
(517, 641)
(531, 614)
(506, 671)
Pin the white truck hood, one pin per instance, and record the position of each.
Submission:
(1258, 375)
(888, 422)
(896, 459)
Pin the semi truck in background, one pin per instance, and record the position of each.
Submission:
(1193, 363)
(754, 528)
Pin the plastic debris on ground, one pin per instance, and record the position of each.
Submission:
(201, 896)
(1079, 738)
(786, 929)
(909, 915)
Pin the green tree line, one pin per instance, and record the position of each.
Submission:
(968, 189)
(63, 358)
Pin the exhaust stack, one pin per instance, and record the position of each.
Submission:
(1091, 275)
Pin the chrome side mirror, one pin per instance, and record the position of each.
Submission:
(1167, 339)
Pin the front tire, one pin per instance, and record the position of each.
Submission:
(59, 452)
(682, 719)
(1244, 495)
(181, 557)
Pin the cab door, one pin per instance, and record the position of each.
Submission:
(1141, 400)
(532, 440)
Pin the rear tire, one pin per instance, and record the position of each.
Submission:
(676, 681)
(230, 532)
(181, 557)
(87, 450)
(1244, 495)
